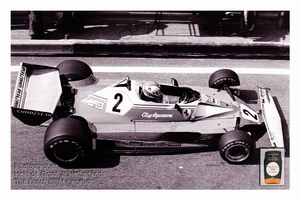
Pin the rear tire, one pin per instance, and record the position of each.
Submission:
(74, 70)
(67, 141)
(78, 73)
(236, 146)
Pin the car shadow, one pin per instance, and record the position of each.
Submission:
(285, 128)
(108, 159)
(248, 96)
(96, 160)
(101, 157)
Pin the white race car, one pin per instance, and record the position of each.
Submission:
(184, 117)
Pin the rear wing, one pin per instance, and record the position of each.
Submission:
(37, 93)
(271, 117)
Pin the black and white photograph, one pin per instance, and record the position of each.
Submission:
(149, 99)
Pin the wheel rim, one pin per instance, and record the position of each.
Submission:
(237, 153)
(66, 152)
(229, 83)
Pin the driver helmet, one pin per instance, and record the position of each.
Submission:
(151, 91)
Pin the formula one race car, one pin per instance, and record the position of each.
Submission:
(135, 115)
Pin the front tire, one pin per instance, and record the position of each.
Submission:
(236, 146)
(67, 141)
(223, 77)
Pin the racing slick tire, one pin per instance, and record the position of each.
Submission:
(78, 72)
(223, 77)
(236, 146)
(67, 141)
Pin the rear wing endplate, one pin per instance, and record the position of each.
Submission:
(271, 117)
(37, 93)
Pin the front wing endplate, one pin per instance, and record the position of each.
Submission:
(271, 118)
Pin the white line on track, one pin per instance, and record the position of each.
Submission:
(188, 70)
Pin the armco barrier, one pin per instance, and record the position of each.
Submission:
(272, 50)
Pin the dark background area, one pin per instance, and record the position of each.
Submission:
(268, 25)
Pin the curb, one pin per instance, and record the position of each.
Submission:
(273, 50)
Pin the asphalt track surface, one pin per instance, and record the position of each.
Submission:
(200, 170)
